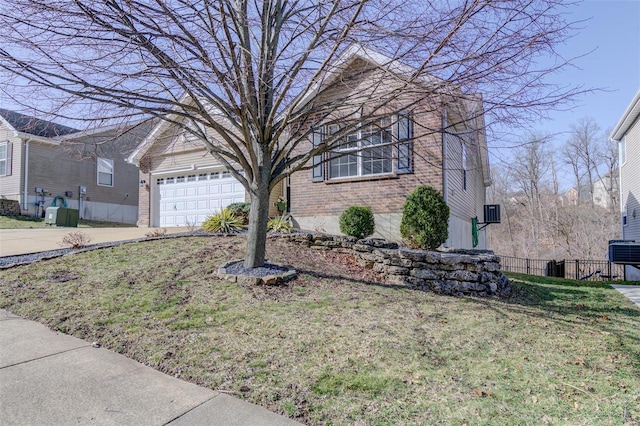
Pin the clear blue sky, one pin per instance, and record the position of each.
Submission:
(612, 33)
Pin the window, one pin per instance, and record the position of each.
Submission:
(160, 181)
(180, 179)
(171, 181)
(226, 175)
(5, 158)
(623, 150)
(215, 175)
(203, 176)
(369, 151)
(366, 152)
(191, 178)
(105, 172)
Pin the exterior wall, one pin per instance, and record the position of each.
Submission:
(59, 169)
(11, 187)
(467, 202)
(630, 191)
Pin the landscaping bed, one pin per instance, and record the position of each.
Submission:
(338, 345)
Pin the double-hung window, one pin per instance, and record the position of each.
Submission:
(369, 151)
(105, 172)
(5, 158)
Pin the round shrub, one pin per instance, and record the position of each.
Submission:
(357, 222)
(425, 219)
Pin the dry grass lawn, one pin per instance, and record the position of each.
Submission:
(337, 346)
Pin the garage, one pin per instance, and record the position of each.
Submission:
(187, 199)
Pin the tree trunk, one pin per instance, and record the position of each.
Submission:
(258, 218)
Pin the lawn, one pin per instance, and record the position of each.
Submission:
(28, 222)
(337, 346)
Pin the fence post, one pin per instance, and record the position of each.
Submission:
(577, 269)
(528, 267)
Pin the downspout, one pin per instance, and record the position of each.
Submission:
(25, 201)
(445, 183)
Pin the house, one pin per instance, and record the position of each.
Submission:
(569, 198)
(443, 147)
(42, 163)
(605, 191)
(627, 134)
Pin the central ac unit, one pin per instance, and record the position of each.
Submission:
(625, 252)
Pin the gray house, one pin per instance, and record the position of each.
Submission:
(627, 134)
(42, 163)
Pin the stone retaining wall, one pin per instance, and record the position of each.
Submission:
(451, 272)
(9, 207)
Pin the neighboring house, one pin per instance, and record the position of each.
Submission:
(42, 162)
(569, 198)
(184, 183)
(455, 161)
(627, 134)
(605, 191)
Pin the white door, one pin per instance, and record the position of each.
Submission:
(187, 199)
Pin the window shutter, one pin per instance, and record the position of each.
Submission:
(9, 158)
(405, 145)
(317, 172)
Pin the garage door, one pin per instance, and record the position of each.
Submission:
(188, 199)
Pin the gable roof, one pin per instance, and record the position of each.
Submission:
(33, 126)
(628, 118)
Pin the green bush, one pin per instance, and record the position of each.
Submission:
(241, 210)
(280, 224)
(225, 222)
(357, 222)
(425, 219)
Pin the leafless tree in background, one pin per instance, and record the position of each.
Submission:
(242, 69)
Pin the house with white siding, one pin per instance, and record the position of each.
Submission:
(627, 134)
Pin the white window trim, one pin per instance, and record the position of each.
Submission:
(362, 148)
(100, 162)
(5, 160)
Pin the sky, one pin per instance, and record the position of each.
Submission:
(612, 35)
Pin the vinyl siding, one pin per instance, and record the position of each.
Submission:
(11, 186)
(630, 176)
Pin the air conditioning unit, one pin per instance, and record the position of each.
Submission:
(492, 213)
(625, 252)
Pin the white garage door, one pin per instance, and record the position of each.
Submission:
(187, 199)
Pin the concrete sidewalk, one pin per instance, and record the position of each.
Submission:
(23, 241)
(48, 378)
(630, 291)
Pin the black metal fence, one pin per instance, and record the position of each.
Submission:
(592, 270)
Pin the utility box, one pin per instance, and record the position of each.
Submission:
(60, 216)
(625, 252)
(492, 213)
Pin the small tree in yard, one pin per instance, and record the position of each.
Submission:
(255, 73)
(357, 222)
(425, 219)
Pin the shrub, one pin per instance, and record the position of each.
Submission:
(425, 219)
(280, 224)
(224, 221)
(357, 222)
(156, 233)
(240, 210)
(75, 240)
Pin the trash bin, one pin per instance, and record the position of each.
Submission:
(60, 216)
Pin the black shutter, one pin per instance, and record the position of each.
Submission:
(405, 145)
(317, 172)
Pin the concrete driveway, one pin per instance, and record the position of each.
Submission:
(23, 241)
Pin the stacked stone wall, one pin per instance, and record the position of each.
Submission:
(451, 272)
(9, 207)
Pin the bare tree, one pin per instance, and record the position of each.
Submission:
(253, 73)
(584, 152)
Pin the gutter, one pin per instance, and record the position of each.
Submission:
(445, 183)
(25, 204)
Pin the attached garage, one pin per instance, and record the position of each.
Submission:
(186, 199)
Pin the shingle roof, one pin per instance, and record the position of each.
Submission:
(34, 126)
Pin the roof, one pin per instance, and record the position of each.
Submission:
(34, 126)
(628, 118)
